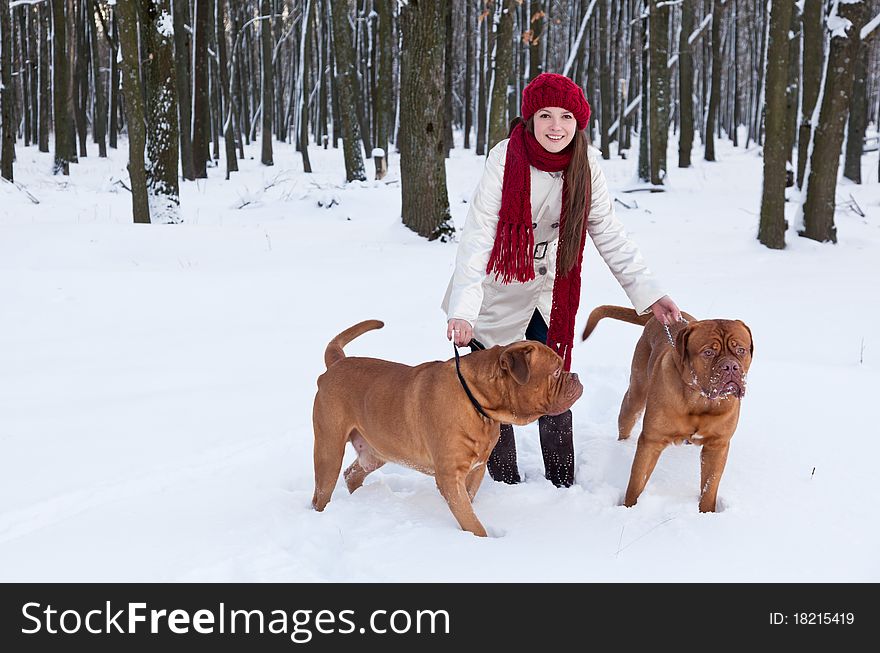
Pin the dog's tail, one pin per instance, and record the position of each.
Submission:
(334, 351)
(615, 312)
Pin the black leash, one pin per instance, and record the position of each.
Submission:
(465, 385)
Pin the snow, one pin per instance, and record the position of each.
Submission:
(165, 25)
(156, 385)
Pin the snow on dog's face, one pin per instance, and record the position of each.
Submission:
(716, 355)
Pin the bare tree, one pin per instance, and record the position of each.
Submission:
(771, 231)
(811, 76)
(182, 46)
(134, 109)
(422, 163)
(824, 162)
(498, 122)
(162, 137)
(351, 137)
(659, 89)
(715, 90)
(268, 80)
(686, 85)
(64, 145)
(201, 114)
(7, 129)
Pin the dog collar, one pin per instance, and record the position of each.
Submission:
(465, 385)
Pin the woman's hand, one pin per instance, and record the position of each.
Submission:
(666, 311)
(459, 331)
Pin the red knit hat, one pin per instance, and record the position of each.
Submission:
(552, 90)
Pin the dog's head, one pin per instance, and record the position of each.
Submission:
(531, 382)
(715, 356)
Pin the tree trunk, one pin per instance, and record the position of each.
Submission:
(134, 110)
(425, 199)
(229, 116)
(605, 98)
(183, 71)
(858, 118)
(468, 72)
(45, 87)
(80, 79)
(268, 82)
(715, 85)
(385, 91)
(114, 81)
(536, 61)
(64, 142)
(659, 91)
(771, 231)
(812, 56)
(345, 91)
(447, 85)
(793, 91)
(25, 49)
(686, 86)
(162, 135)
(305, 75)
(828, 136)
(482, 95)
(498, 119)
(99, 119)
(201, 128)
(644, 113)
(7, 148)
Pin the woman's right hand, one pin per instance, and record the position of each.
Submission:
(459, 331)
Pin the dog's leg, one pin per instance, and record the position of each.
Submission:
(452, 487)
(329, 449)
(631, 408)
(366, 462)
(473, 480)
(713, 458)
(647, 453)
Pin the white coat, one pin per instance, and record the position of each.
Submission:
(500, 313)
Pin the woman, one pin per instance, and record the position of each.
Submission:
(518, 266)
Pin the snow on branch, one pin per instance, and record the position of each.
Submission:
(870, 27)
(18, 3)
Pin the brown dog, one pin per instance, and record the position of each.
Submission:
(422, 417)
(689, 392)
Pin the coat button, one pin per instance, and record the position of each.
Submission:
(534, 225)
(542, 270)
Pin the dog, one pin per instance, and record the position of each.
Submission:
(423, 417)
(689, 391)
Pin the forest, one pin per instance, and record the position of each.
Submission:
(185, 85)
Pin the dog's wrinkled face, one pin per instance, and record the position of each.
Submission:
(715, 356)
(536, 382)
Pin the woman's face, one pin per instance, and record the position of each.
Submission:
(554, 128)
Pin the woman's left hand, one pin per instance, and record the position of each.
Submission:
(666, 311)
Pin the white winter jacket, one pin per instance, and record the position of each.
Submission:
(500, 313)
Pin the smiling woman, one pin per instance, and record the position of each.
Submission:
(518, 266)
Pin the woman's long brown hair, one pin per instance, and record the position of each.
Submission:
(578, 178)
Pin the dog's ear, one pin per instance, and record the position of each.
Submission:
(515, 361)
(681, 342)
(751, 340)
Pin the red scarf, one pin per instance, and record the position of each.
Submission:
(513, 254)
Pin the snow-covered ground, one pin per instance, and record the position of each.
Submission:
(156, 385)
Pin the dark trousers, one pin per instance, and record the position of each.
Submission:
(557, 446)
